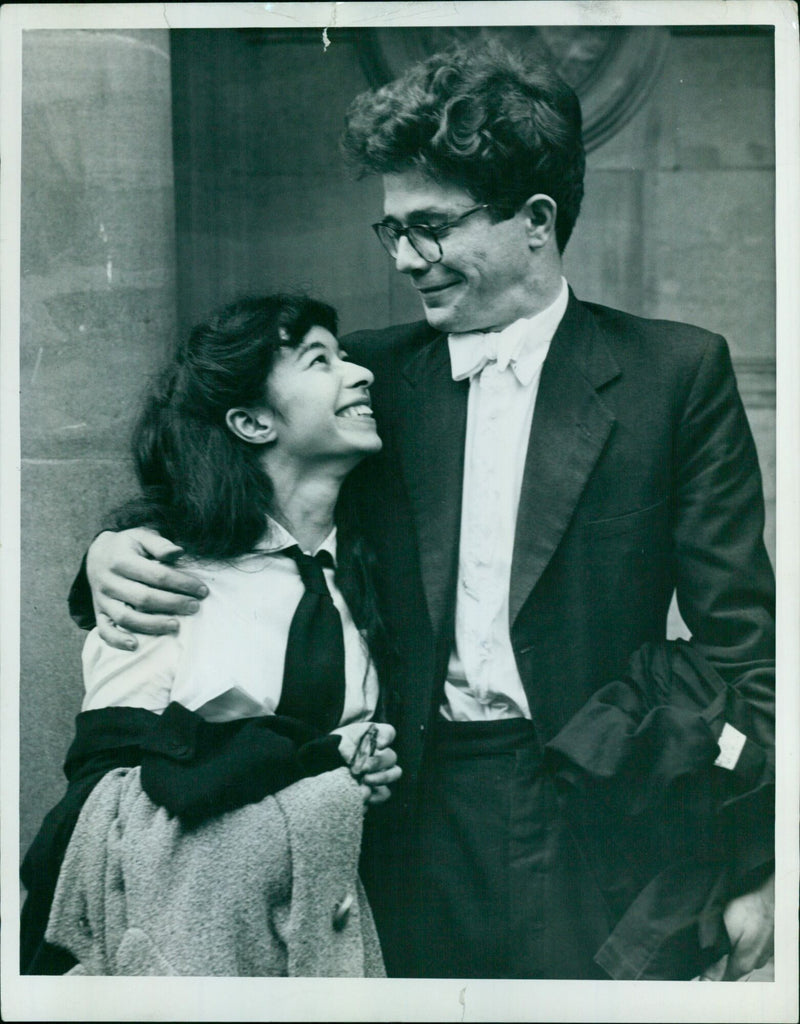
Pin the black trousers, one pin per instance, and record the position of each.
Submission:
(496, 886)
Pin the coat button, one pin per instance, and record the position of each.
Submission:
(341, 912)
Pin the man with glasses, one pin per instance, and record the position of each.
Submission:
(552, 470)
(423, 238)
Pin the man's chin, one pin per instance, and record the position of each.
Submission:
(441, 319)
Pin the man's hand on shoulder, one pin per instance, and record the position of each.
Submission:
(134, 588)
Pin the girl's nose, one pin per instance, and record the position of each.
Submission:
(358, 376)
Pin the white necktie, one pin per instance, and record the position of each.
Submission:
(470, 352)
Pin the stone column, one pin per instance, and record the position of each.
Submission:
(98, 311)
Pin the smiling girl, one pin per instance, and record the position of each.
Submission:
(211, 753)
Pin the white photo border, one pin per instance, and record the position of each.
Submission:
(208, 999)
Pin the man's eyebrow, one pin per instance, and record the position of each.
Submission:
(422, 213)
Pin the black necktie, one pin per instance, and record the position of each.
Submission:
(313, 675)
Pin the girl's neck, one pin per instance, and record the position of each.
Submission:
(304, 504)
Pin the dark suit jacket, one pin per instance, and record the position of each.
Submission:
(640, 477)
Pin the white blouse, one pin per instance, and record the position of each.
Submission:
(226, 661)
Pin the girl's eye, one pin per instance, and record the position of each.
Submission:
(319, 359)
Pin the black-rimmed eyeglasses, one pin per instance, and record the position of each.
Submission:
(423, 238)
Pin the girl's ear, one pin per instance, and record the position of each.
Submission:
(256, 426)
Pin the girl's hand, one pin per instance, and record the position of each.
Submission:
(365, 748)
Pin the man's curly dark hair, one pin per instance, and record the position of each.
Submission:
(500, 126)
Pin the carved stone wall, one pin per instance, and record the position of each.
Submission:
(98, 310)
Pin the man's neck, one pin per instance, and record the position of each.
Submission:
(537, 300)
(543, 295)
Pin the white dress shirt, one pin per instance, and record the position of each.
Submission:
(227, 660)
(503, 368)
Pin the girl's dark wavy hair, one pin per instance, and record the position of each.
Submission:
(498, 125)
(202, 486)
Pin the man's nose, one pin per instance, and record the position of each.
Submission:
(407, 259)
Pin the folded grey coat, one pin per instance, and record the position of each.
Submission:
(268, 889)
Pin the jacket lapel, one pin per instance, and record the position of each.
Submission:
(433, 418)
(570, 428)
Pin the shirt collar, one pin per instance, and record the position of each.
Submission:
(277, 538)
(521, 345)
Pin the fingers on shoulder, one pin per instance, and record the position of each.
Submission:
(113, 635)
(153, 543)
(142, 622)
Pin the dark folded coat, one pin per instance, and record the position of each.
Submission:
(670, 837)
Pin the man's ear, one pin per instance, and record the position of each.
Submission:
(540, 219)
(256, 426)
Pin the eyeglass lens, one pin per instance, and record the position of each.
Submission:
(423, 242)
